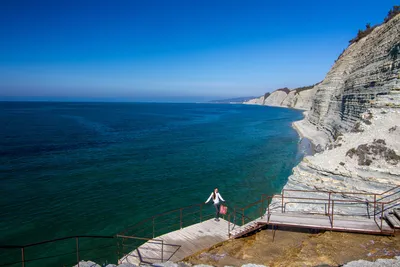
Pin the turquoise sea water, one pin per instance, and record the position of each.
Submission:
(96, 168)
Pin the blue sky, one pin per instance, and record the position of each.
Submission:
(183, 50)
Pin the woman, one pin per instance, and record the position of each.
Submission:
(216, 197)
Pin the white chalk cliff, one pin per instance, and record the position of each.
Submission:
(299, 98)
(354, 119)
(276, 98)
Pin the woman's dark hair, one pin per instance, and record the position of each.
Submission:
(214, 195)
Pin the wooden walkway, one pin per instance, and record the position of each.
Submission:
(340, 223)
(181, 243)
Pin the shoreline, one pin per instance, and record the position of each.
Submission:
(306, 142)
(318, 139)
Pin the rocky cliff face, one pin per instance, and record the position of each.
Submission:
(366, 69)
(276, 98)
(255, 101)
(298, 99)
(355, 120)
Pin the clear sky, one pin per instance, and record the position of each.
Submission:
(172, 50)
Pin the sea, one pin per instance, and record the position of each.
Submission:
(69, 169)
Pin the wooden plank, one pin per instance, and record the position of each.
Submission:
(351, 224)
(191, 239)
(394, 221)
(340, 223)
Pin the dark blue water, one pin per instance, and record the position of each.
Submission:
(95, 168)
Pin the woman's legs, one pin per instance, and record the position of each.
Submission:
(216, 211)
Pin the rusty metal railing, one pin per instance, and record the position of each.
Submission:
(169, 221)
(165, 222)
(373, 200)
(69, 258)
(139, 255)
(74, 255)
(189, 215)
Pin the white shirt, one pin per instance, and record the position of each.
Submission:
(217, 197)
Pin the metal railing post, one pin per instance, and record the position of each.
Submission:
(329, 203)
(181, 218)
(333, 205)
(229, 225)
(153, 227)
(23, 257)
(283, 196)
(234, 215)
(374, 207)
(269, 203)
(118, 249)
(77, 249)
(262, 207)
(162, 250)
(382, 205)
(201, 212)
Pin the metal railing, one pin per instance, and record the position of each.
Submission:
(163, 223)
(135, 252)
(112, 252)
(372, 201)
(169, 221)
(67, 251)
(146, 230)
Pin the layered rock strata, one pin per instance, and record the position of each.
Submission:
(355, 121)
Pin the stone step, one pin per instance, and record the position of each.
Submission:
(396, 212)
(393, 220)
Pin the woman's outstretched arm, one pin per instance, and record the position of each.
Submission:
(209, 198)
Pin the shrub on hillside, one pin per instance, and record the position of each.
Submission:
(362, 33)
(304, 88)
(392, 13)
(286, 90)
(368, 29)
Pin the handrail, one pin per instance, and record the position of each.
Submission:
(76, 251)
(377, 203)
(390, 190)
(397, 199)
(326, 191)
(54, 240)
(330, 201)
(342, 192)
(200, 205)
(160, 241)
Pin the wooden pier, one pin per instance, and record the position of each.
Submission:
(381, 217)
(177, 245)
(322, 222)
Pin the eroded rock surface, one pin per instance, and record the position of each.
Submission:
(355, 122)
(299, 98)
